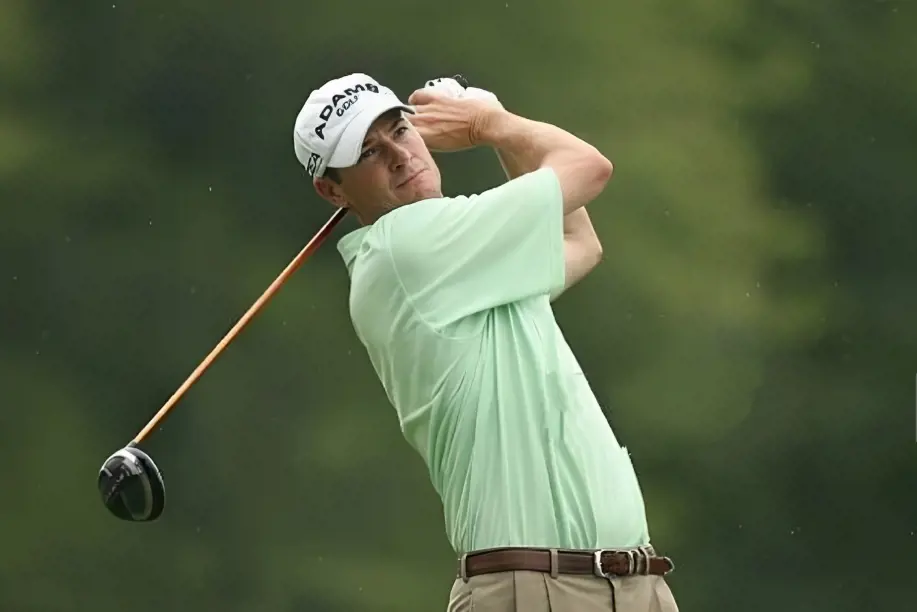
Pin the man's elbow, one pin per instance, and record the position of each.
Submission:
(582, 176)
(600, 170)
(604, 168)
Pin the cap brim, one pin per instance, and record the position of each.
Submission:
(347, 152)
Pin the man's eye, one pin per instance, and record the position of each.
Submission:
(401, 130)
(367, 153)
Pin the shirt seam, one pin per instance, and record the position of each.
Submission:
(410, 300)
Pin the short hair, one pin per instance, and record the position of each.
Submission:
(333, 174)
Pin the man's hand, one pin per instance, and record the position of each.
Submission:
(448, 123)
(458, 87)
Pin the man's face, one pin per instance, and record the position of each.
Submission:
(395, 168)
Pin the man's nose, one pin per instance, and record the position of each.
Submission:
(400, 155)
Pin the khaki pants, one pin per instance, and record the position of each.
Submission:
(539, 592)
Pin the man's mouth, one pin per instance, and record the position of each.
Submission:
(411, 178)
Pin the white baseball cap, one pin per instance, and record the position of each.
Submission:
(330, 129)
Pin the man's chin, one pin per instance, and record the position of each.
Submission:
(421, 188)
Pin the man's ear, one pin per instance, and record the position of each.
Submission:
(331, 191)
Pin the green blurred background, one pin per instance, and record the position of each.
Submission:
(751, 332)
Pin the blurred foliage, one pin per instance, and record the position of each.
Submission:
(751, 332)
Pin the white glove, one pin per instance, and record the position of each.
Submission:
(451, 87)
(446, 86)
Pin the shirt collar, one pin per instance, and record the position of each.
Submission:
(349, 246)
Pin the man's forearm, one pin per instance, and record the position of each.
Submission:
(525, 145)
(528, 155)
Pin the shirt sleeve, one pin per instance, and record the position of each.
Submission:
(463, 255)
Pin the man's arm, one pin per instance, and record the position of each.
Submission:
(454, 124)
(529, 145)
(506, 244)
(582, 248)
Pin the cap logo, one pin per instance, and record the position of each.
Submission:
(314, 160)
(340, 102)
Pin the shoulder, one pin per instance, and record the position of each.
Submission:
(420, 224)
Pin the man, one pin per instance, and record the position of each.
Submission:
(451, 296)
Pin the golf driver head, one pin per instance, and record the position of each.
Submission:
(131, 486)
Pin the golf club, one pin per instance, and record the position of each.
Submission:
(131, 485)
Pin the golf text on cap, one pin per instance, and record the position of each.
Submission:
(349, 97)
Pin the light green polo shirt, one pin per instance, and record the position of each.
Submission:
(451, 298)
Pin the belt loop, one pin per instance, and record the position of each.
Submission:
(645, 559)
(631, 562)
(555, 569)
(463, 568)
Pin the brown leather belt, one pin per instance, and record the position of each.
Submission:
(641, 561)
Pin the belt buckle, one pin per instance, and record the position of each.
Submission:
(631, 562)
(597, 563)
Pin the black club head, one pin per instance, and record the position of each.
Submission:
(131, 486)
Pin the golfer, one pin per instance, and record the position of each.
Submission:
(451, 296)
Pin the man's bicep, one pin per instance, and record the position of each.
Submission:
(458, 256)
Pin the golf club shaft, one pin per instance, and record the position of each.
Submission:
(307, 250)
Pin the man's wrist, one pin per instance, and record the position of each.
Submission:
(489, 126)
